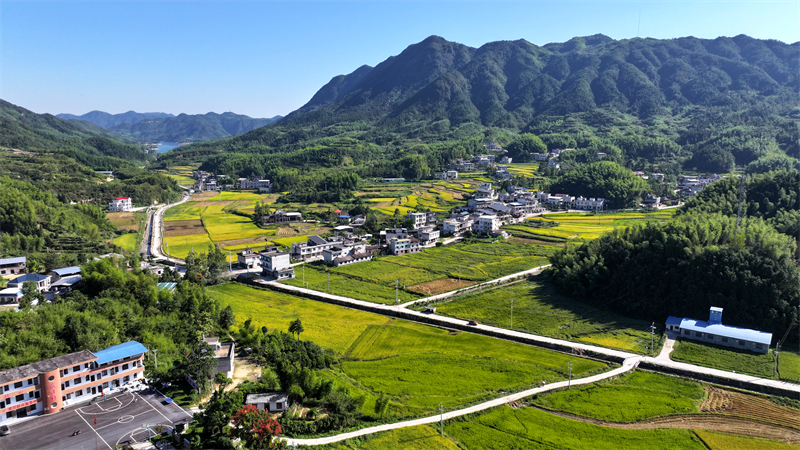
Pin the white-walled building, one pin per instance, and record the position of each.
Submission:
(714, 332)
(120, 204)
(486, 224)
(591, 204)
(402, 246)
(276, 264)
(313, 248)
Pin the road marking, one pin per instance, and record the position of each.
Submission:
(95, 431)
(125, 419)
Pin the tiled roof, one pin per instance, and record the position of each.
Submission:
(48, 365)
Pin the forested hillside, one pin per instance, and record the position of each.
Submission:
(685, 266)
(192, 128)
(106, 120)
(25, 130)
(708, 103)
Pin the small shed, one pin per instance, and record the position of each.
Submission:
(274, 402)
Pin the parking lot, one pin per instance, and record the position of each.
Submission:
(120, 419)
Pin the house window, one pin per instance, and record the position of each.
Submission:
(38, 394)
(724, 339)
(31, 381)
(124, 367)
(76, 368)
(32, 408)
(78, 380)
(278, 405)
(698, 334)
(687, 332)
(741, 342)
(20, 397)
(31, 394)
(79, 393)
(9, 415)
(105, 372)
(18, 385)
(2, 405)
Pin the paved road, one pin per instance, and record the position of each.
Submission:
(120, 420)
(628, 364)
(501, 280)
(158, 231)
(393, 311)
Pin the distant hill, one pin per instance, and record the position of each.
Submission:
(22, 129)
(106, 120)
(722, 100)
(195, 128)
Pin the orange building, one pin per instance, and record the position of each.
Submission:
(46, 387)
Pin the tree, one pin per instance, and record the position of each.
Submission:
(201, 363)
(30, 293)
(256, 428)
(222, 381)
(296, 327)
(226, 318)
(381, 404)
(524, 145)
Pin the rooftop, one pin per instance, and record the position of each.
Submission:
(120, 351)
(29, 277)
(719, 329)
(67, 271)
(66, 281)
(267, 397)
(17, 260)
(48, 365)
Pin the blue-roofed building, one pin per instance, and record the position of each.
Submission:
(714, 332)
(120, 352)
(42, 281)
(166, 286)
(12, 266)
(58, 274)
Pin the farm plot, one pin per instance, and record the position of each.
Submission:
(720, 441)
(329, 281)
(523, 169)
(185, 211)
(724, 401)
(123, 220)
(621, 400)
(742, 361)
(127, 242)
(507, 428)
(183, 227)
(224, 226)
(180, 246)
(412, 438)
(539, 309)
(581, 226)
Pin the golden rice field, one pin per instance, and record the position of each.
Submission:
(583, 226)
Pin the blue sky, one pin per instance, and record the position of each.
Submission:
(267, 58)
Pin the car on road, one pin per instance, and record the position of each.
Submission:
(473, 323)
(4, 430)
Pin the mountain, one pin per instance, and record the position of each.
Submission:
(106, 120)
(185, 127)
(22, 129)
(722, 100)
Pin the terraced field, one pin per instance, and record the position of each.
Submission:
(581, 226)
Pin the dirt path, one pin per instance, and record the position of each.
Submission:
(712, 422)
(244, 370)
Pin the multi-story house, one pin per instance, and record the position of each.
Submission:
(11, 266)
(313, 248)
(591, 204)
(46, 387)
(346, 254)
(403, 246)
(486, 224)
(420, 219)
(276, 264)
(120, 204)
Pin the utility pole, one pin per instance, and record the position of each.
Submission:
(230, 262)
(304, 275)
(441, 419)
(459, 277)
(652, 336)
(155, 355)
(512, 314)
(396, 284)
(569, 383)
(329, 282)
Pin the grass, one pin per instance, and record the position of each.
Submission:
(508, 428)
(632, 398)
(127, 241)
(417, 365)
(742, 361)
(720, 441)
(539, 309)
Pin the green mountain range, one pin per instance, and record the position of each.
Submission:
(722, 100)
(22, 129)
(155, 127)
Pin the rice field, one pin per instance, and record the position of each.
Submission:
(180, 246)
(417, 365)
(539, 309)
(582, 226)
(720, 441)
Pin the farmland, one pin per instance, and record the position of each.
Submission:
(725, 358)
(126, 241)
(417, 365)
(417, 273)
(665, 395)
(412, 438)
(539, 309)
(564, 227)
(509, 428)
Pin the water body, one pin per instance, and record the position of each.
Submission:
(164, 147)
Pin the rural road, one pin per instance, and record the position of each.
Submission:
(435, 319)
(628, 364)
(157, 231)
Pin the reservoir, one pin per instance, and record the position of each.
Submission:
(164, 147)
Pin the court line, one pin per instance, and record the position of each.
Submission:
(95, 432)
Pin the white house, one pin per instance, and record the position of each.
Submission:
(402, 246)
(276, 264)
(591, 204)
(486, 224)
(120, 204)
(274, 402)
(714, 332)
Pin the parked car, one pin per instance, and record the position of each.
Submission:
(473, 323)
(4, 430)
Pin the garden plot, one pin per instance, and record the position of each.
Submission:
(123, 220)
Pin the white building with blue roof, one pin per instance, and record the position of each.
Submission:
(714, 332)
